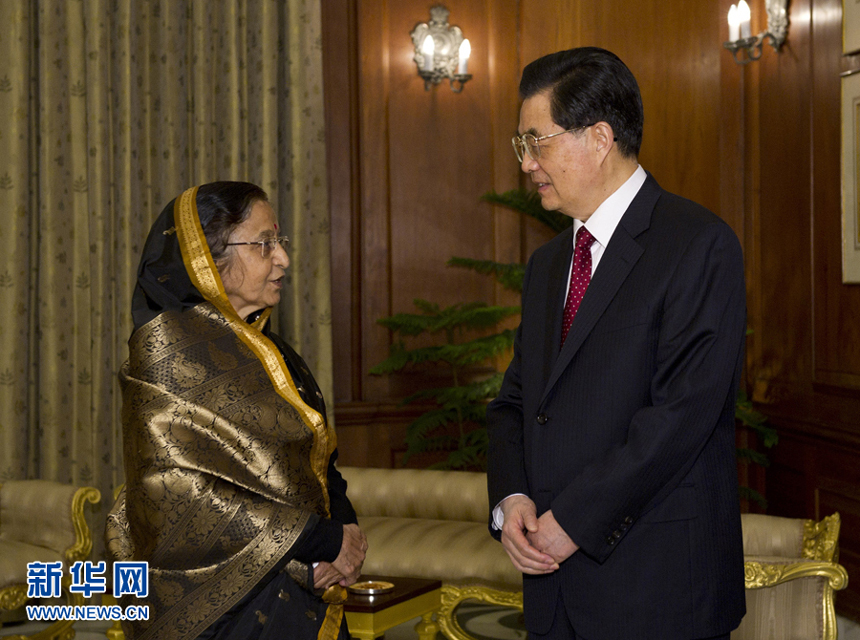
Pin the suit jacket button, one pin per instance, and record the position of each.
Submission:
(542, 419)
(610, 540)
(628, 521)
(616, 534)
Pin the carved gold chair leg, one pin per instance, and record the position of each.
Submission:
(453, 595)
(12, 598)
(115, 632)
(427, 627)
(59, 630)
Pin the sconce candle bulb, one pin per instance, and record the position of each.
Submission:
(744, 19)
(465, 52)
(428, 49)
(734, 24)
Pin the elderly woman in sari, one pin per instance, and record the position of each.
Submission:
(231, 493)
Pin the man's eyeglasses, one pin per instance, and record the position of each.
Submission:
(267, 246)
(530, 144)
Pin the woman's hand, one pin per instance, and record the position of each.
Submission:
(325, 575)
(351, 557)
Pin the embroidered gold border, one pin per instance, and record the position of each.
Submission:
(331, 624)
(204, 275)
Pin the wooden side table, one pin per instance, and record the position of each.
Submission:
(369, 617)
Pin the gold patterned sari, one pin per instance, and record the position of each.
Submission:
(226, 464)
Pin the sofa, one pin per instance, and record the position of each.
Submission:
(791, 574)
(433, 524)
(42, 521)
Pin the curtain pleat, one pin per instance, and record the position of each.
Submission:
(17, 247)
(304, 153)
(108, 110)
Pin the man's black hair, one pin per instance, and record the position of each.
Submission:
(589, 85)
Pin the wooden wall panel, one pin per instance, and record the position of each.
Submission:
(374, 160)
(837, 330)
(340, 80)
(783, 246)
(805, 363)
(545, 27)
(441, 161)
(669, 47)
(543, 31)
(421, 161)
(503, 74)
(732, 136)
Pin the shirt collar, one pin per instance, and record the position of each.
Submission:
(606, 217)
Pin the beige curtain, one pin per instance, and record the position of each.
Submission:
(108, 110)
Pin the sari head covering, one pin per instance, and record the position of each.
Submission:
(225, 463)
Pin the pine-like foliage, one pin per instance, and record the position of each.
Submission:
(464, 404)
(752, 419)
(457, 424)
(509, 276)
(528, 203)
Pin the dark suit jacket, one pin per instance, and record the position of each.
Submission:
(627, 433)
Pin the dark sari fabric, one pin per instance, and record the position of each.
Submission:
(228, 459)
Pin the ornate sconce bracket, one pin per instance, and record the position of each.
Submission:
(750, 48)
(447, 59)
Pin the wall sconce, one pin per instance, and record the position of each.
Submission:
(440, 51)
(739, 30)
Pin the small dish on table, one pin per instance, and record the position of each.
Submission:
(371, 587)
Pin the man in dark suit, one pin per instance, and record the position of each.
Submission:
(612, 473)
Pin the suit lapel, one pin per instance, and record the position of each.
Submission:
(618, 260)
(556, 295)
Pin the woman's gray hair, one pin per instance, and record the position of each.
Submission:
(221, 207)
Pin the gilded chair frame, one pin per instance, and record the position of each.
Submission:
(821, 550)
(15, 596)
(453, 595)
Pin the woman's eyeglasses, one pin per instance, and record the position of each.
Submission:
(267, 246)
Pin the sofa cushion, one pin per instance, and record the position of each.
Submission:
(451, 551)
(788, 610)
(419, 493)
(38, 512)
(772, 536)
(14, 557)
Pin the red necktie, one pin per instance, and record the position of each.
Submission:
(580, 276)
